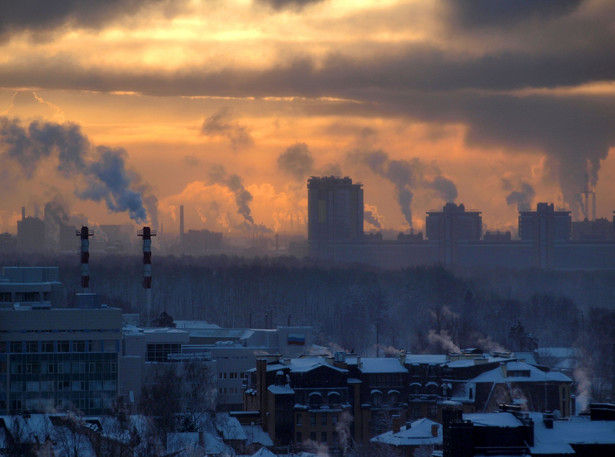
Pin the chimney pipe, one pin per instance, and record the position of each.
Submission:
(23, 213)
(147, 234)
(84, 234)
(181, 225)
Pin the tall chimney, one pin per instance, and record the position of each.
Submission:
(85, 234)
(23, 213)
(147, 234)
(181, 225)
(593, 206)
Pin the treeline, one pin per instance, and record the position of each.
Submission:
(417, 309)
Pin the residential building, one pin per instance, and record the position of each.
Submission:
(335, 213)
(513, 432)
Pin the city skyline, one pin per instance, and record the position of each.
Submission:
(227, 109)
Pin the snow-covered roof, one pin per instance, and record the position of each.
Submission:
(306, 364)
(214, 445)
(497, 375)
(194, 324)
(34, 428)
(429, 359)
(280, 390)
(499, 419)
(576, 430)
(381, 365)
(263, 452)
(418, 434)
(229, 427)
(185, 441)
(256, 434)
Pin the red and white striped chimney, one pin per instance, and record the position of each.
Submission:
(147, 233)
(85, 234)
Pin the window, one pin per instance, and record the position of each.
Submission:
(78, 346)
(16, 346)
(323, 437)
(323, 419)
(313, 436)
(31, 346)
(334, 419)
(298, 420)
(312, 419)
(47, 346)
(299, 437)
(63, 346)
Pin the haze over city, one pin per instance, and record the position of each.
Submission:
(124, 111)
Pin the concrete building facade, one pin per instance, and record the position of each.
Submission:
(335, 212)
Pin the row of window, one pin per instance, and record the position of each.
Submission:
(324, 437)
(229, 390)
(232, 375)
(324, 419)
(37, 404)
(65, 367)
(6, 297)
(158, 352)
(18, 347)
(64, 385)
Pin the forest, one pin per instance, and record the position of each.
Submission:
(352, 307)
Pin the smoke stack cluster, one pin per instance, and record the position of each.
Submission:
(147, 234)
(85, 234)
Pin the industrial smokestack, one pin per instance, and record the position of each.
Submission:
(85, 234)
(181, 225)
(23, 213)
(593, 206)
(147, 234)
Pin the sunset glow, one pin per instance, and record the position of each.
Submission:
(488, 99)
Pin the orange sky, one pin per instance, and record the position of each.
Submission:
(495, 97)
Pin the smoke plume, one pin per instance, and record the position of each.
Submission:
(407, 176)
(521, 195)
(583, 391)
(102, 169)
(222, 124)
(296, 161)
(443, 340)
(371, 219)
(218, 175)
(371, 216)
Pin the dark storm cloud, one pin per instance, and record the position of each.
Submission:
(103, 169)
(217, 175)
(422, 83)
(221, 123)
(40, 16)
(296, 161)
(418, 68)
(495, 13)
(288, 4)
